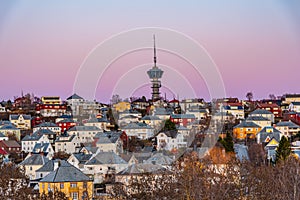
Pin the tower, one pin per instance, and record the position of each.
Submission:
(155, 74)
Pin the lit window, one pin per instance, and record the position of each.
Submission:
(74, 195)
(61, 185)
(73, 185)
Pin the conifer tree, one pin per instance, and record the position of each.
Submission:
(283, 150)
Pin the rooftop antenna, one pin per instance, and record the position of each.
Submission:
(154, 50)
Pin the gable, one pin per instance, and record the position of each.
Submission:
(273, 142)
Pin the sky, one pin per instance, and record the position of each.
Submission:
(254, 44)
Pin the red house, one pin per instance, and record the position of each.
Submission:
(66, 124)
(10, 146)
(272, 107)
(182, 119)
(51, 110)
(293, 116)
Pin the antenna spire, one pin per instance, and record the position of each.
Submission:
(154, 50)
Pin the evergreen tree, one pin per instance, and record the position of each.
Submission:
(283, 150)
(227, 142)
(169, 125)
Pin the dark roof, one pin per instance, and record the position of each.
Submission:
(183, 116)
(40, 147)
(106, 158)
(16, 117)
(35, 159)
(65, 173)
(288, 124)
(74, 96)
(261, 112)
(150, 117)
(49, 166)
(142, 168)
(160, 159)
(245, 124)
(296, 103)
(84, 128)
(11, 143)
(82, 157)
(47, 124)
(9, 127)
(270, 132)
(170, 133)
(257, 118)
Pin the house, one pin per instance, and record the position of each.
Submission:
(263, 113)
(287, 128)
(11, 130)
(66, 124)
(67, 179)
(21, 121)
(79, 159)
(241, 152)
(186, 104)
(51, 100)
(182, 119)
(48, 167)
(162, 113)
(160, 159)
(48, 125)
(152, 121)
(294, 106)
(265, 135)
(170, 141)
(38, 137)
(269, 137)
(101, 123)
(3, 137)
(130, 112)
(129, 158)
(2, 108)
(67, 143)
(127, 119)
(32, 163)
(236, 109)
(10, 146)
(44, 148)
(121, 106)
(81, 107)
(51, 110)
(259, 120)
(104, 165)
(200, 113)
(272, 107)
(289, 98)
(246, 129)
(109, 142)
(139, 130)
(85, 134)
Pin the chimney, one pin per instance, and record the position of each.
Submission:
(56, 164)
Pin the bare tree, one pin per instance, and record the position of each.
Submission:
(249, 96)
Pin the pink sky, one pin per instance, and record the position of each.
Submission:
(255, 45)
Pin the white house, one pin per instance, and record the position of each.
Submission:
(21, 121)
(287, 128)
(294, 106)
(101, 123)
(102, 164)
(263, 113)
(200, 113)
(67, 143)
(109, 142)
(85, 134)
(259, 120)
(139, 130)
(48, 125)
(29, 141)
(170, 140)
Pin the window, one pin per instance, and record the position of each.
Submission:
(84, 184)
(61, 185)
(73, 185)
(74, 195)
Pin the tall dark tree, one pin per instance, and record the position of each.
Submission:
(227, 142)
(169, 125)
(284, 149)
(249, 96)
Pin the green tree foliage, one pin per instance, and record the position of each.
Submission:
(284, 149)
(227, 142)
(169, 125)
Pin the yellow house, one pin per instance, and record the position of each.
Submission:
(122, 106)
(69, 180)
(246, 129)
